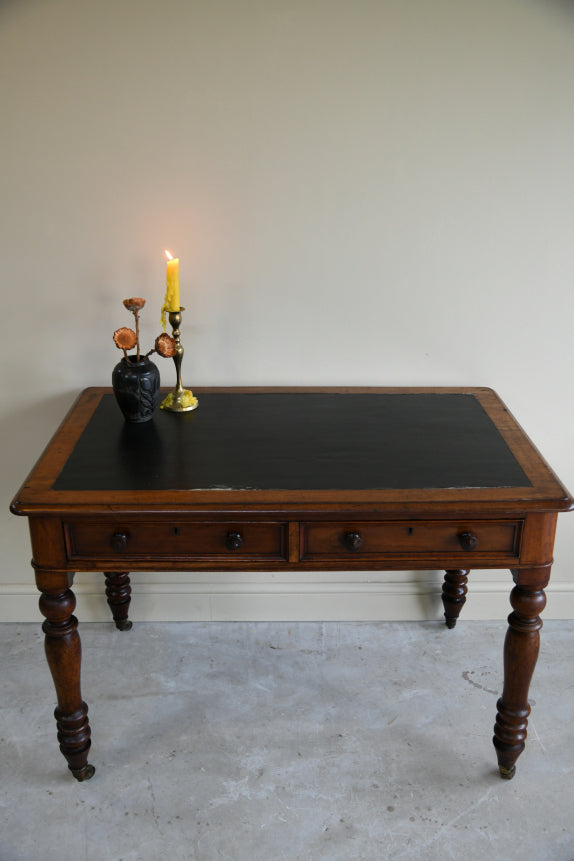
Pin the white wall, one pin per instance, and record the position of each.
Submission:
(360, 192)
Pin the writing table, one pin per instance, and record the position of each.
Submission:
(293, 479)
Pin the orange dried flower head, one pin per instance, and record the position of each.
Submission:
(125, 338)
(165, 345)
(134, 304)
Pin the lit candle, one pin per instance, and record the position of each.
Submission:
(171, 301)
(172, 283)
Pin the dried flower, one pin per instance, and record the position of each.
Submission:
(165, 345)
(134, 304)
(125, 338)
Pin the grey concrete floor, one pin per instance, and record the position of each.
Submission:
(285, 741)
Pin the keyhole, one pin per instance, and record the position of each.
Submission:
(410, 530)
(176, 530)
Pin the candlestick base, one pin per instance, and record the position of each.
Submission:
(180, 401)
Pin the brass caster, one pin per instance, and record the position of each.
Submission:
(84, 773)
(449, 622)
(507, 773)
(124, 625)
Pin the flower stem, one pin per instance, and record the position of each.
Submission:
(137, 316)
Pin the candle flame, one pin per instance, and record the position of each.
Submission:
(168, 255)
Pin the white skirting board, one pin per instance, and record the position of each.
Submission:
(388, 596)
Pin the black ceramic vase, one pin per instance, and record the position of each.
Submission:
(136, 387)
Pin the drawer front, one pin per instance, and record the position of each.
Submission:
(370, 539)
(176, 540)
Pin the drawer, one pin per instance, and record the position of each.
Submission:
(173, 540)
(364, 539)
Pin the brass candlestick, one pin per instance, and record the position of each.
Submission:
(180, 400)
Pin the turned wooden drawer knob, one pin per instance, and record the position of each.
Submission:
(468, 540)
(119, 540)
(233, 540)
(353, 540)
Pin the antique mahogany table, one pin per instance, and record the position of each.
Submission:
(293, 479)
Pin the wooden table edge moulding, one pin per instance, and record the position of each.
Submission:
(293, 479)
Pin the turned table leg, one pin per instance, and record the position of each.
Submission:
(118, 593)
(520, 654)
(454, 594)
(64, 652)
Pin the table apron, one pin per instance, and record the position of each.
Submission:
(262, 542)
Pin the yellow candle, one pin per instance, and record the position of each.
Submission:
(172, 283)
(171, 301)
